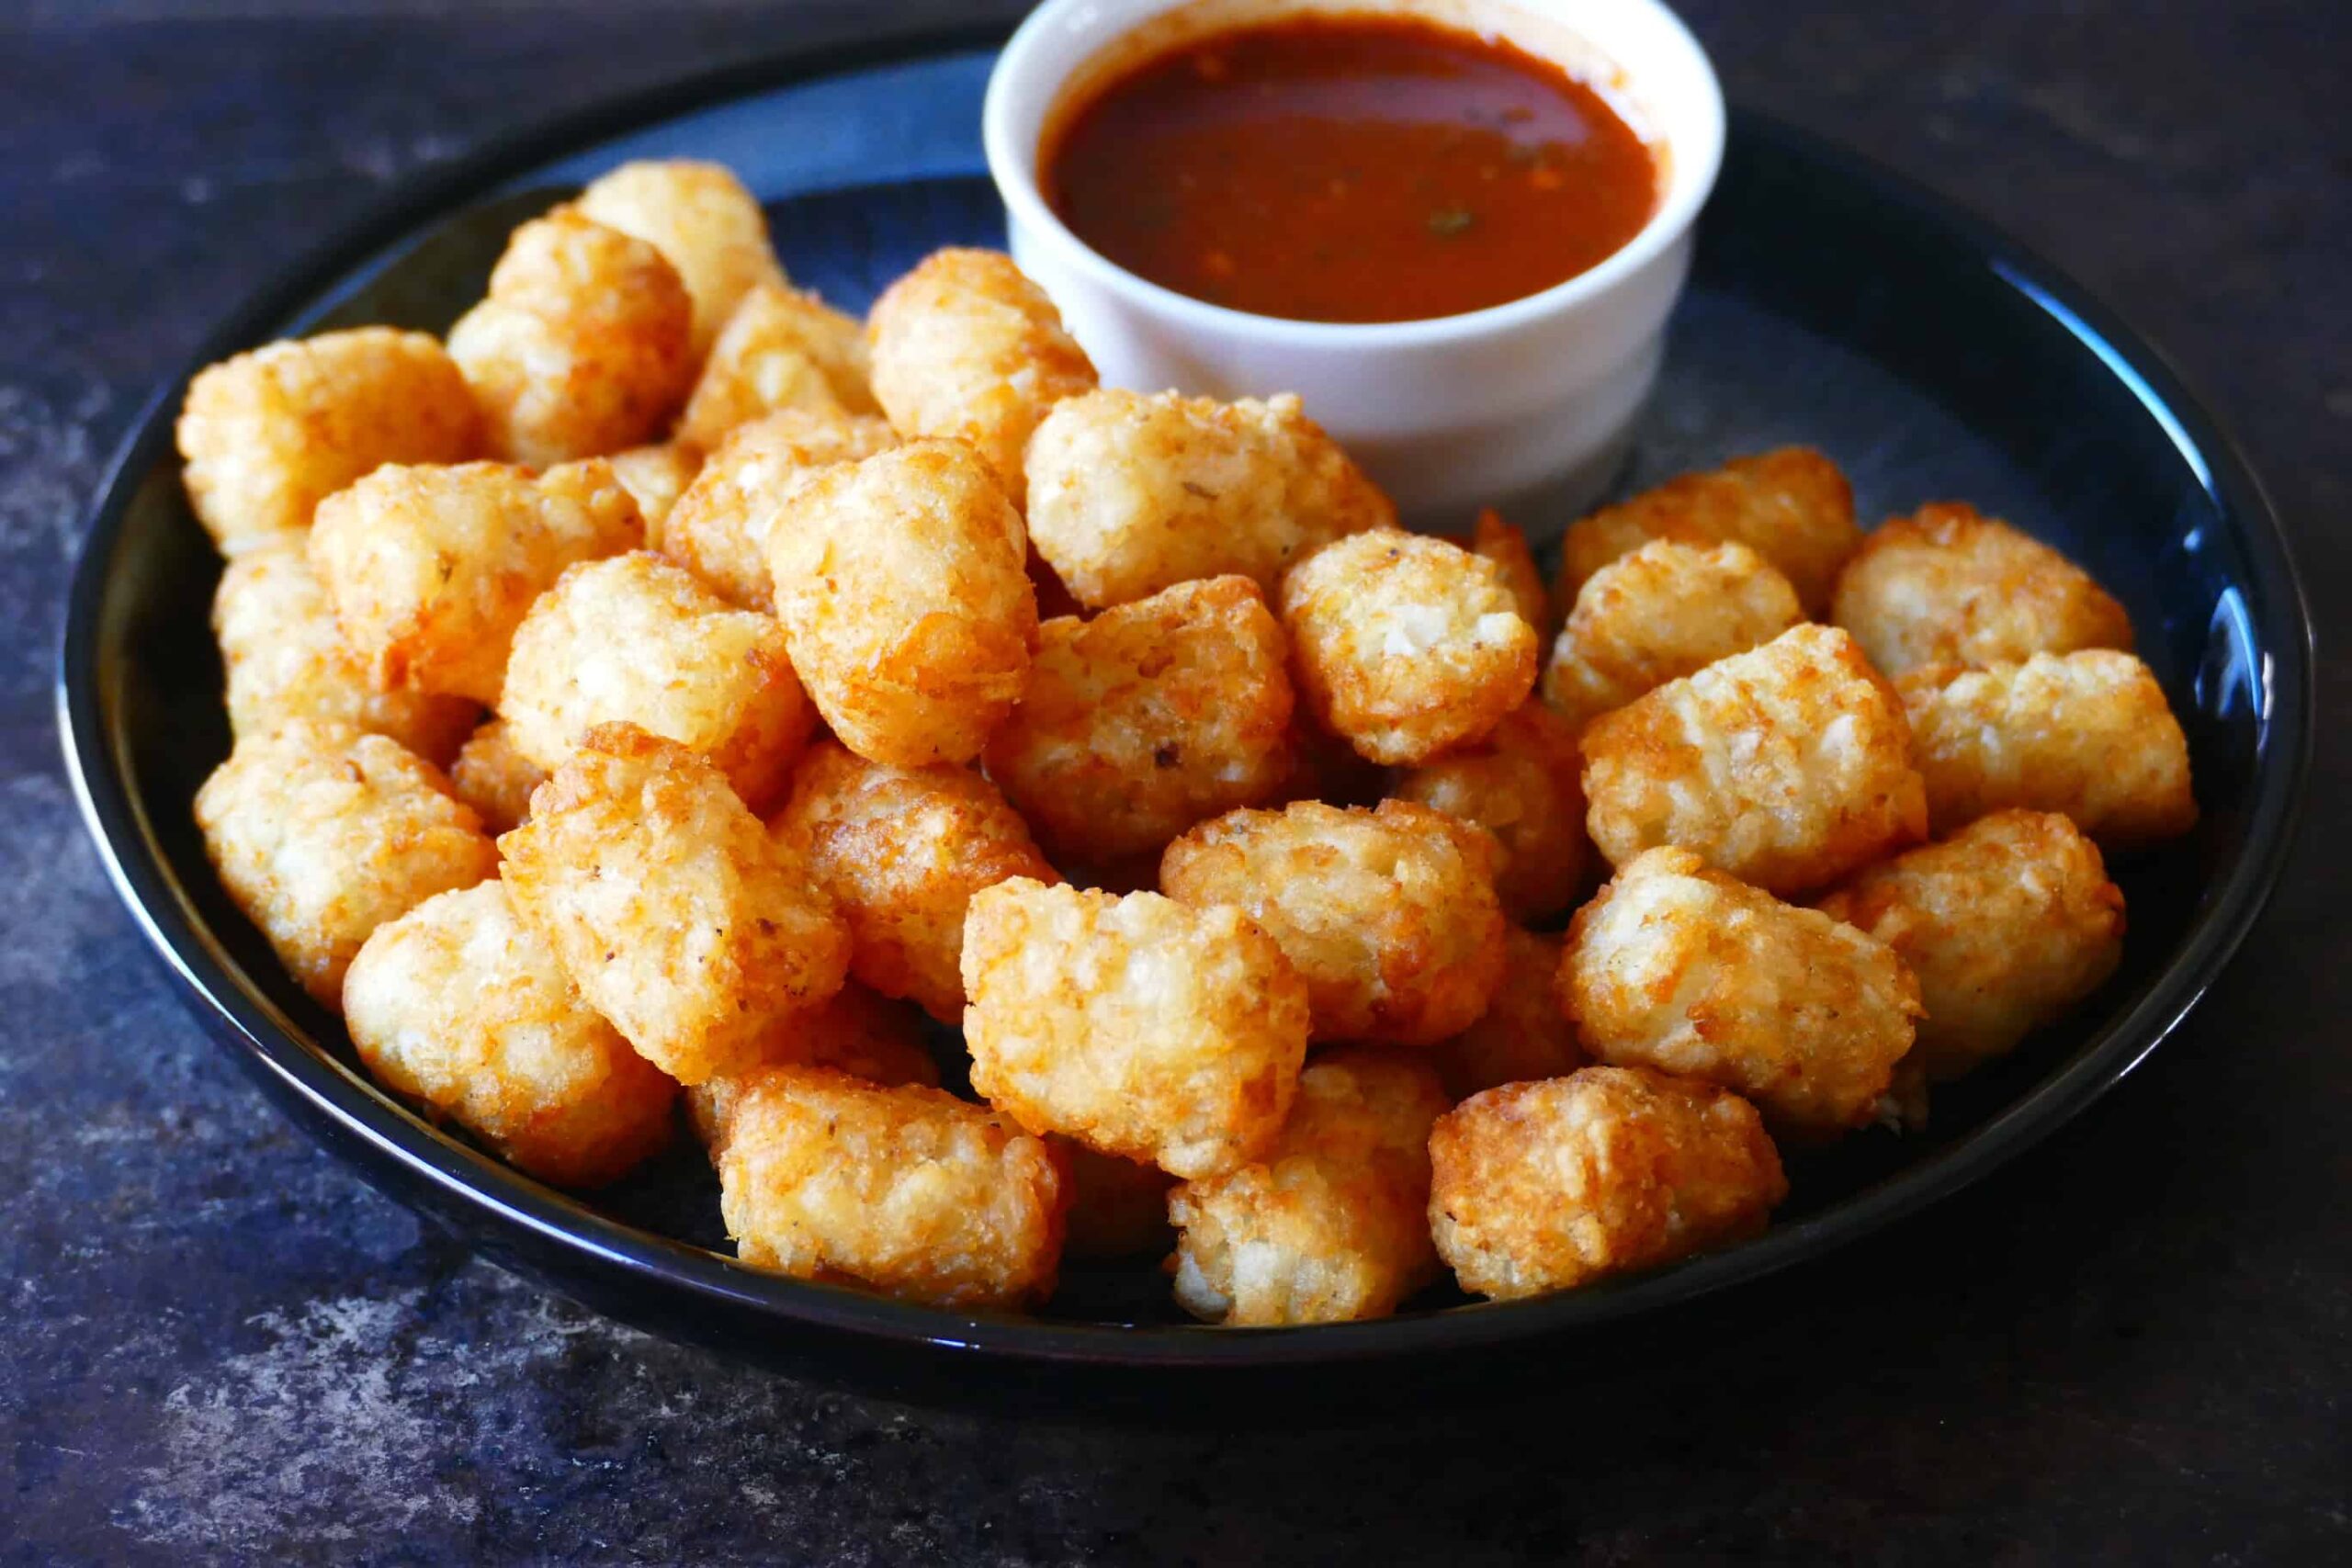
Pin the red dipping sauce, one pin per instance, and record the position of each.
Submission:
(1338, 168)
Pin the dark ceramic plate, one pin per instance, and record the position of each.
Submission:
(1830, 305)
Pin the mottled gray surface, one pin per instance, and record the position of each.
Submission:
(2132, 1345)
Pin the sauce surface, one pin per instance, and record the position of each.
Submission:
(1350, 169)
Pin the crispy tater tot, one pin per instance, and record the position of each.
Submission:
(1135, 1025)
(1680, 968)
(431, 570)
(1331, 1223)
(907, 1189)
(1148, 718)
(2007, 923)
(1521, 784)
(321, 833)
(670, 906)
(582, 348)
(1493, 539)
(1543, 1187)
(1389, 914)
(1117, 1207)
(1658, 614)
(269, 434)
(655, 477)
(1405, 645)
(782, 349)
(719, 528)
(967, 346)
(286, 659)
(902, 584)
(902, 850)
(1130, 493)
(1949, 585)
(2087, 734)
(495, 779)
(637, 638)
(857, 1032)
(1791, 506)
(1788, 766)
(460, 1005)
(1522, 1036)
(703, 223)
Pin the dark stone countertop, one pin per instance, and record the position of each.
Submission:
(2132, 1345)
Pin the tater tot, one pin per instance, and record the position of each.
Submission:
(965, 345)
(1389, 914)
(1117, 1207)
(902, 850)
(1403, 644)
(1788, 766)
(707, 226)
(905, 1189)
(655, 477)
(1791, 506)
(782, 349)
(1331, 1223)
(1658, 614)
(670, 906)
(1135, 1025)
(1949, 585)
(1493, 539)
(431, 570)
(857, 1032)
(1680, 968)
(2006, 924)
(1521, 784)
(583, 346)
(633, 638)
(286, 659)
(1544, 1187)
(495, 779)
(460, 1005)
(269, 434)
(901, 582)
(1146, 719)
(1131, 492)
(2087, 734)
(1522, 1036)
(719, 528)
(321, 833)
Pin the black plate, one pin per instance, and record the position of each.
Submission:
(1831, 304)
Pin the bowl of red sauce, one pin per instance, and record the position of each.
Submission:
(1454, 228)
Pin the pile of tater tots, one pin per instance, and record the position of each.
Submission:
(644, 689)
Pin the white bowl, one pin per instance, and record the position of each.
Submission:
(1526, 405)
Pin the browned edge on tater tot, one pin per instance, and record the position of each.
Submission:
(1680, 968)
(1331, 1223)
(1390, 914)
(1133, 1025)
(901, 851)
(1544, 1187)
(1792, 506)
(1148, 718)
(902, 583)
(669, 904)
(1789, 766)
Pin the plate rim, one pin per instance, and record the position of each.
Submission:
(274, 1048)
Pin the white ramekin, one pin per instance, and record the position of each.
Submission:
(1526, 405)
